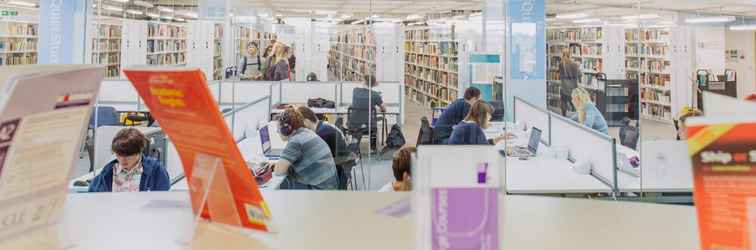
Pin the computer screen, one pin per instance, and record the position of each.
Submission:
(265, 139)
(535, 139)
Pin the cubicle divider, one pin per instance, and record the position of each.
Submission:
(533, 116)
(586, 145)
(119, 94)
(300, 92)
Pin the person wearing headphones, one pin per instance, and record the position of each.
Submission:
(131, 171)
(586, 111)
(306, 161)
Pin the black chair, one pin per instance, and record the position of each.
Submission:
(425, 135)
(358, 125)
(629, 134)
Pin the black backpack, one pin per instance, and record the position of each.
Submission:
(320, 103)
(395, 138)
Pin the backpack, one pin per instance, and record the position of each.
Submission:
(395, 138)
(320, 103)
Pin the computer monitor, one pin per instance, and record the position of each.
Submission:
(265, 139)
(535, 140)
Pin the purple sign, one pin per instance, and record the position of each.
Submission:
(465, 218)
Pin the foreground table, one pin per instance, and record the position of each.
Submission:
(347, 220)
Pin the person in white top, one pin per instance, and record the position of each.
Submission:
(402, 167)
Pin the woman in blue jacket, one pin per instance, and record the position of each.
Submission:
(131, 171)
(586, 111)
(470, 130)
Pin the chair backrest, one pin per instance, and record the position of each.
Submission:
(629, 134)
(106, 116)
(358, 118)
(425, 135)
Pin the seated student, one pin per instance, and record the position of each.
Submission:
(367, 99)
(455, 113)
(329, 133)
(306, 160)
(682, 128)
(131, 171)
(470, 130)
(402, 168)
(586, 111)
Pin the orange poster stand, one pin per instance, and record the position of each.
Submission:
(180, 101)
(724, 172)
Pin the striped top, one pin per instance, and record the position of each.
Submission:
(311, 159)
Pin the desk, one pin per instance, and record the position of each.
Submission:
(666, 168)
(346, 220)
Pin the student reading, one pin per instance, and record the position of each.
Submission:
(306, 160)
(131, 171)
(455, 113)
(586, 112)
(470, 130)
(402, 168)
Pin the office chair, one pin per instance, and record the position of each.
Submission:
(106, 116)
(358, 125)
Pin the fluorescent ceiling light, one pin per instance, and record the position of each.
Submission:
(153, 15)
(588, 20)
(710, 19)
(179, 19)
(414, 17)
(641, 17)
(134, 12)
(166, 17)
(743, 27)
(476, 14)
(22, 3)
(121, 1)
(165, 9)
(345, 16)
(571, 16)
(187, 13)
(325, 12)
(143, 4)
(112, 8)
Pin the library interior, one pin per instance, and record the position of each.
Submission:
(377, 124)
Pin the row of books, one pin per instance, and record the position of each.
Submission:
(657, 80)
(417, 35)
(437, 77)
(108, 31)
(659, 97)
(251, 34)
(361, 52)
(167, 59)
(18, 59)
(653, 50)
(106, 58)
(18, 29)
(445, 48)
(154, 46)
(15, 45)
(106, 45)
(575, 34)
(648, 35)
(656, 111)
(113, 71)
(357, 37)
(165, 30)
(592, 65)
(433, 62)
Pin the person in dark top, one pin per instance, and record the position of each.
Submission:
(329, 133)
(455, 113)
(366, 99)
(470, 131)
(569, 73)
(131, 171)
(279, 70)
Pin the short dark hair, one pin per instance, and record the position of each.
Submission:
(252, 44)
(402, 162)
(370, 81)
(128, 142)
(472, 92)
(307, 113)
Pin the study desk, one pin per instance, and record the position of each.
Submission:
(665, 168)
(347, 220)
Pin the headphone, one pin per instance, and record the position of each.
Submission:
(284, 126)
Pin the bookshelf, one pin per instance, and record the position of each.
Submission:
(246, 35)
(166, 44)
(18, 42)
(352, 54)
(218, 51)
(648, 60)
(431, 69)
(106, 48)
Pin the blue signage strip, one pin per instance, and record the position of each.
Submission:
(57, 29)
(526, 34)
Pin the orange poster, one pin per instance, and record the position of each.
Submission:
(181, 102)
(724, 170)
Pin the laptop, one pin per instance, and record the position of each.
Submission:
(267, 147)
(532, 149)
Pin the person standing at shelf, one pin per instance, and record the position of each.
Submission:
(402, 169)
(279, 70)
(470, 130)
(252, 64)
(586, 112)
(454, 114)
(131, 171)
(569, 73)
(266, 59)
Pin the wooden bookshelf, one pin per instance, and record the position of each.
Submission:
(648, 60)
(431, 69)
(351, 56)
(166, 44)
(18, 42)
(106, 48)
(246, 35)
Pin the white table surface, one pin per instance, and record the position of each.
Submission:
(665, 168)
(346, 220)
